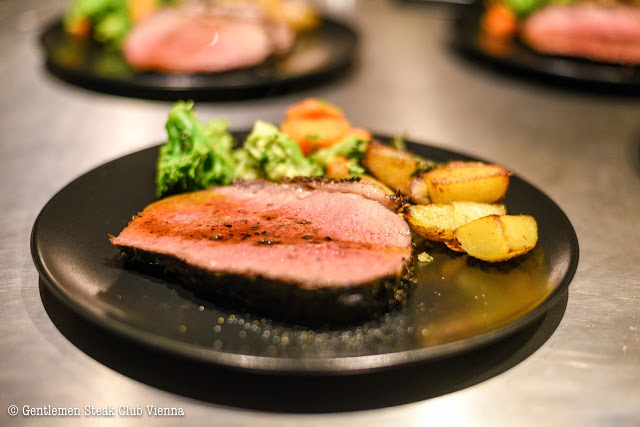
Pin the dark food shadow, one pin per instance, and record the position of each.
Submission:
(88, 65)
(299, 393)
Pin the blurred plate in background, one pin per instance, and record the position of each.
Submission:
(318, 56)
(513, 55)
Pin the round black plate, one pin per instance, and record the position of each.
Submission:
(515, 56)
(458, 303)
(317, 57)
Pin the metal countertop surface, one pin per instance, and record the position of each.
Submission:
(580, 365)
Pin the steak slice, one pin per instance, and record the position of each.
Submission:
(331, 185)
(600, 32)
(289, 251)
(194, 38)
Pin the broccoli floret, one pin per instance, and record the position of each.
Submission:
(109, 18)
(247, 167)
(195, 156)
(522, 8)
(276, 154)
(351, 148)
(112, 29)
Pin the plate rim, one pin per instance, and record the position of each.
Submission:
(301, 366)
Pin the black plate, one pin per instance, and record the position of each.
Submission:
(515, 56)
(458, 304)
(317, 57)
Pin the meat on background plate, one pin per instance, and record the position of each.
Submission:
(601, 32)
(195, 38)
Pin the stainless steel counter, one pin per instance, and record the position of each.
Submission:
(578, 366)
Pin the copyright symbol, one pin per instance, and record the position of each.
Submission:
(13, 410)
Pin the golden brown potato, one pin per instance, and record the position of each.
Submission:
(394, 168)
(438, 222)
(498, 237)
(467, 181)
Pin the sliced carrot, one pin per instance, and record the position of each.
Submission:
(315, 124)
(293, 131)
(311, 108)
(80, 27)
(499, 21)
(338, 168)
(360, 133)
(311, 134)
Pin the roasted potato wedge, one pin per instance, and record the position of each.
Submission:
(466, 181)
(395, 168)
(438, 222)
(497, 238)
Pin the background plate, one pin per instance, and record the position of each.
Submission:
(458, 304)
(516, 56)
(317, 57)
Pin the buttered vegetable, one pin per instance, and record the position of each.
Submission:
(272, 155)
(196, 155)
(199, 155)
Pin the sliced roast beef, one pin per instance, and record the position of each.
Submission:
(601, 32)
(294, 252)
(192, 38)
(369, 191)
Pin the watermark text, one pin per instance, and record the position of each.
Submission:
(87, 411)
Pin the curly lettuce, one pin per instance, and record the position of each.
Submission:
(196, 155)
